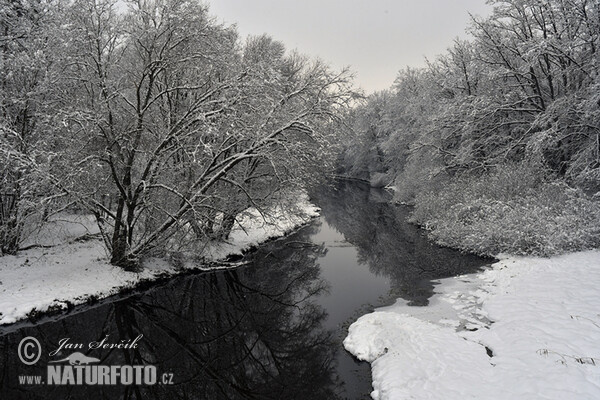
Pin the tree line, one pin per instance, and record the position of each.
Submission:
(153, 117)
(516, 107)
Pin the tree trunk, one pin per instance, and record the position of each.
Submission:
(227, 226)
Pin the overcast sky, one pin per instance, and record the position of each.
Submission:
(376, 38)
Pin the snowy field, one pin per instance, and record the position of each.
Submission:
(526, 328)
(72, 271)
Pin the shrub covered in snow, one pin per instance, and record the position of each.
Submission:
(423, 173)
(512, 210)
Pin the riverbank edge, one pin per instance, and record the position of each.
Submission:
(525, 327)
(21, 304)
(386, 338)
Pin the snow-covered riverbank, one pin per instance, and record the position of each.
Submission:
(70, 270)
(526, 328)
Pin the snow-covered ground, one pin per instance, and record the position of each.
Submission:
(526, 328)
(72, 270)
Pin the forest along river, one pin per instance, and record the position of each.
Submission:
(269, 330)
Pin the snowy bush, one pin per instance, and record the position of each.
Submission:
(510, 211)
(423, 172)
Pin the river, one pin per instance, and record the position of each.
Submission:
(269, 330)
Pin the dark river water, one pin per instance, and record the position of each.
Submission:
(270, 330)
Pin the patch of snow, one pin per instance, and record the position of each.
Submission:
(70, 273)
(538, 318)
(252, 227)
(61, 229)
(43, 278)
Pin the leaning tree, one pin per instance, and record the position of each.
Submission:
(168, 125)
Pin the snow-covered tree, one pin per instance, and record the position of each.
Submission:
(170, 126)
(28, 43)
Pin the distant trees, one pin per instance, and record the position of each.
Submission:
(522, 95)
(166, 127)
(525, 87)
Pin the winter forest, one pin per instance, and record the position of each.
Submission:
(262, 228)
(497, 141)
(165, 126)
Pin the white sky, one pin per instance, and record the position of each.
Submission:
(376, 38)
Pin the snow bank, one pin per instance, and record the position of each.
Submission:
(543, 343)
(252, 227)
(70, 273)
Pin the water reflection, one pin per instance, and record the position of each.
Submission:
(270, 330)
(387, 244)
(252, 333)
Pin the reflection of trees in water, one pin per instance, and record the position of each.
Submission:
(248, 333)
(389, 245)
